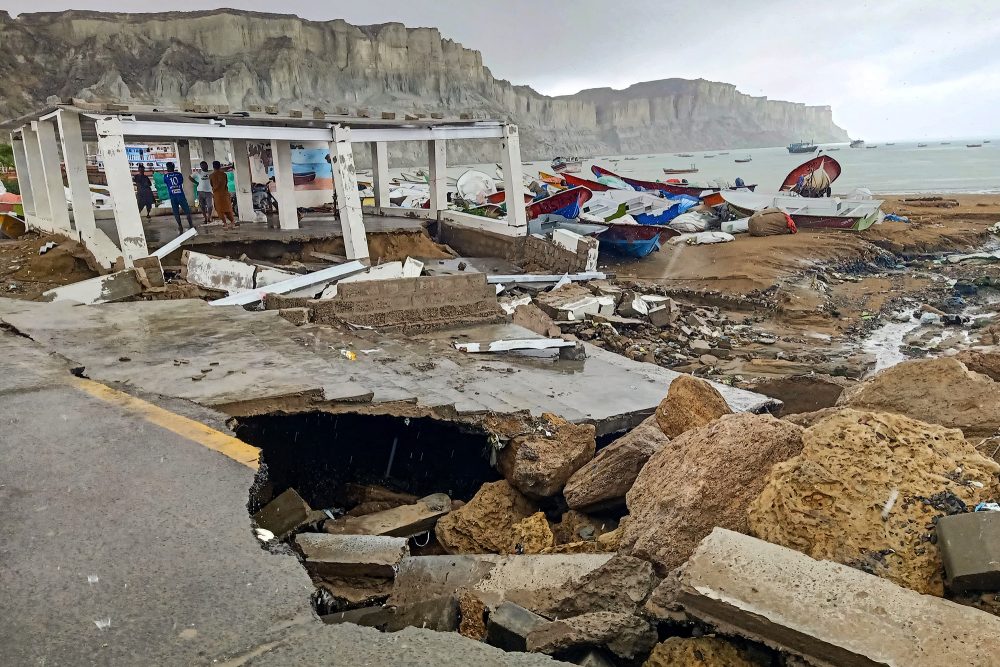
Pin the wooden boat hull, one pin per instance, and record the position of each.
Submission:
(824, 162)
(566, 203)
(500, 197)
(634, 240)
(815, 219)
(653, 186)
(577, 182)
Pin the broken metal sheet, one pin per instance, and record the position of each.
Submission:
(292, 284)
(102, 289)
(521, 344)
(169, 247)
(547, 278)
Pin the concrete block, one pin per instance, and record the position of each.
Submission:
(149, 271)
(283, 514)
(509, 625)
(102, 289)
(266, 275)
(351, 555)
(216, 272)
(387, 271)
(388, 115)
(295, 113)
(297, 316)
(828, 613)
(319, 114)
(438, 614)
(402, 521)
(574, 302)
(663, 316)
(970, 548)
(271, 109)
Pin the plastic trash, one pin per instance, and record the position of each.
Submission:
(892, 217)
(704, 238)
(987, 507)
(741, 226)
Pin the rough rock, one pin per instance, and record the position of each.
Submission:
(981, 361)
(706, 651)
(576, 526)
(621, 585)
(940, 391)
(865, 492)
(532, 535)
(472, 616)
(803, 393)
(485, 523)
(689, 403)
(704, 478)
(604, 481)
(625, 635)
(540, 463)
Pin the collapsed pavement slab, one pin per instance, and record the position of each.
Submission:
(284, 514)
(828, 613)
(351, 555)
(402, 521)
(509, 626)
(625, 635)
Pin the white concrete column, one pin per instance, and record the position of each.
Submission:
(380, 172)
(513, 184)
(284, 185)
(438, 178)
(23, 177)
(36, 177)
(244, 182)
(345, 180)
(208, 151)
(75, 159)
(48, 147)
(111, 143)
(184, 167)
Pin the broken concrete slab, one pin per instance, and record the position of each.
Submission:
(411, 268)
(828, 613)
(970, 549)
(149, 271)
(490, 575)
(534, 318)
(102, 289)
(574, 303)
(351, 555)
(438, 614)
(625, 635)
(265, 276)
(299, 282)
(217, 273)
(401, 521)
(509, 626)
(284, 514)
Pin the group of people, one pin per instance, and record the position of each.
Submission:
(212, 192)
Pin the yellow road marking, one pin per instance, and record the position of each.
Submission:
(194, 431)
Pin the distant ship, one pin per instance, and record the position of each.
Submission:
(802, 147)
(921, 145)
(858, 143)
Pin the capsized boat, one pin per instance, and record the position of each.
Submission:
(634, 240)
(565, 204)
(810, 213)
(653, 186)
(814, 184)
(573, 165)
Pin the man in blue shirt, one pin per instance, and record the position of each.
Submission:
(175, 189)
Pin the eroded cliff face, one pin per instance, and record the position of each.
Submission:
(243, 58)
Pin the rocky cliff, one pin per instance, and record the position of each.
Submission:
(243, 58)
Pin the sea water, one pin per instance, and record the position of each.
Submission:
(899, 169)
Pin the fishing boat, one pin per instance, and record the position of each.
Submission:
(946, 143)
(973, 145)
(802, 147)
(573, 165)
(577, 182)
(808, 213)
(829, 150)
(921, 145)
(688, 170)
(876, 146)
(858, 143)
(551, 179)
(890, 144)
(824, 162)
(564, 204)
(634, 240)
(708, 156)
(653, 186)
(986, 141)
(725, 153)
(685, 155)
(743, 160)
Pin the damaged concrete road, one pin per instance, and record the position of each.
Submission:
(127, 542)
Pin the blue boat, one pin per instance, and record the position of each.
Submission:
(633, 240)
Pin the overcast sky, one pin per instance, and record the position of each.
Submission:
(891, 69)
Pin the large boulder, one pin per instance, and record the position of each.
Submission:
(625, 635)
(940, 391)
(865, 491)
(540, 463)
(705, 651)
(690, 403)
(603, 482)
(486, 523)
(702, 479)
(986, 362)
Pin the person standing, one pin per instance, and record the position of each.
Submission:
(220, 194)
(143, 191)
(204, 191)
(178, 201)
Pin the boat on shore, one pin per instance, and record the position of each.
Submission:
(802, 147)
(686, 170)
(573, 165)
(807, 168)
(565, 204)
(743, 160)
(858, 143)
(634, 240)
(808, 213)
(653, 186)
